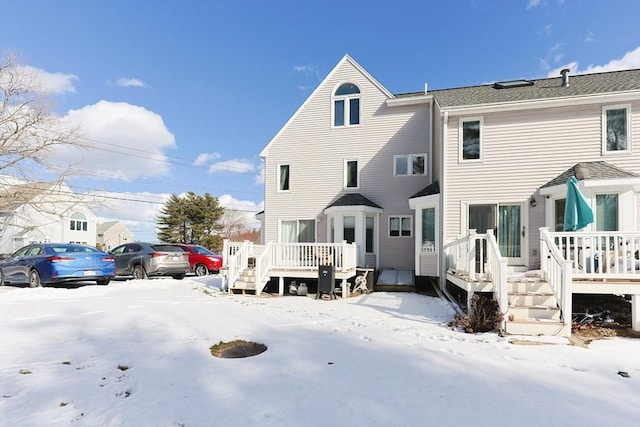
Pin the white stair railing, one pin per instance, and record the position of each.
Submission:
(557, 272)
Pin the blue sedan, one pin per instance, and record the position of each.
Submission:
(47, 263)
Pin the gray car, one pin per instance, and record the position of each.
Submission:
(143, 260)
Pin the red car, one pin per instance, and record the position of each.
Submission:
(202, 260)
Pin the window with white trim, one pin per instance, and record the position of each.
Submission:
(351, 174)
(346, 105)
(428, 230)
(78, 222)
(470, 139)
(369, 234)
(283, 178)
(607, 212)
(615, 129)
(298, 231)
(400, 226)
(409, 164)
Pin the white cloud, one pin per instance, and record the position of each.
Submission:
(128, 82)
(205, 158)
(590, 37)
(629, 60)
(259, 178)
(532, 4)
(137, 211)
(124, 141)
(52, 82)
(233, 166)
(248, 208)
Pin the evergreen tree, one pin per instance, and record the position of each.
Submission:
(191, 219)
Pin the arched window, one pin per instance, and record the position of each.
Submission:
(78, 222)
(346, 105)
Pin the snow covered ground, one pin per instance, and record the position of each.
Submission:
(137, 353)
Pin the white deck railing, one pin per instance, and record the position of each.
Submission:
(477, 256)
(285, 257)
(612, 254)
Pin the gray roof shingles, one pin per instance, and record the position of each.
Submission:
(353, 199)
(549, 88)
(591, 170)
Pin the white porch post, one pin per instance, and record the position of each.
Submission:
(281, 286)
(635, 312)
(471, 256)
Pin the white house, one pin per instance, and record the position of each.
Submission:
(464, 185)
(43, 212)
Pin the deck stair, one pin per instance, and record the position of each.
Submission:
(246, 282)
(533, 308)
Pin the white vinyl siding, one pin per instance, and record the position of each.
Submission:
(315, 150)
(522, 151)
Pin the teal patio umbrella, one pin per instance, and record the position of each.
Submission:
(577, 212)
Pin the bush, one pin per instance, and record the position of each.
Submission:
(485, 316)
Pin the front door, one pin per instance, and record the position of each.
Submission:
(507, 223)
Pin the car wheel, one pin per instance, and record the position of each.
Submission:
(103, 282)
(139, 273)
(201, 270)
(178, 276)
(34, 279)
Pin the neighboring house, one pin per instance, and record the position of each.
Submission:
(42, 212)
(466, 185)
(111, 234)
(507, 152)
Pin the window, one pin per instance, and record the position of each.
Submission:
(78, 222)
(471, 139)
(283, 178)
(559, 205)
(351, 174)
(298, 231)
(606, 212)
(349, 229)
(346, 105)
(399, 226)
(369, 234)
(615, 129)
(409, 164)
(429, 230)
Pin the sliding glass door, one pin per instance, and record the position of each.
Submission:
(507, 223)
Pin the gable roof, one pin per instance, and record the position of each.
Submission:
(591, 170)
(345, 59)
(103, 227)
(580, 85)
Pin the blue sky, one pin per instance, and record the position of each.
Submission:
(182, 95)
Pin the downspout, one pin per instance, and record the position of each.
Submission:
(443, 220)
(443, 190)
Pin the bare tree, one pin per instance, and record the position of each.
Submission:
(234, 223)
(32, 137)
(30, 132)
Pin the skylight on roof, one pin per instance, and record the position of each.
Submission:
(512, 83)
